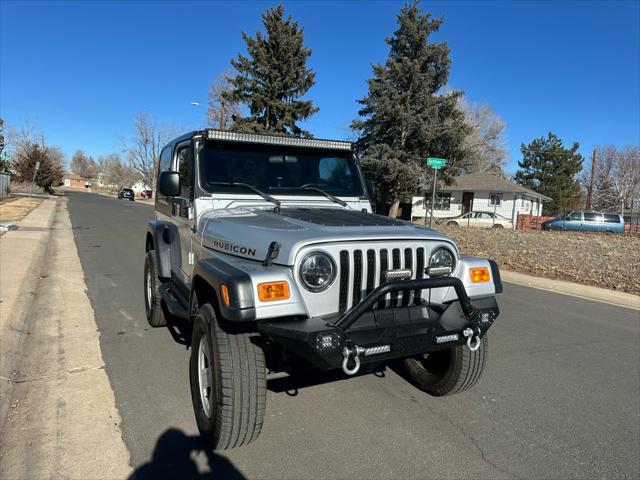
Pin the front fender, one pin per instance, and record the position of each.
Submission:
(162, 235)
(242, 278)
(476, 290)
(214, 272)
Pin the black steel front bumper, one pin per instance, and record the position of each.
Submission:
(386, 333)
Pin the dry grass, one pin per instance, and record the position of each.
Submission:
(26, 187)
(15, 209)
(604, 260)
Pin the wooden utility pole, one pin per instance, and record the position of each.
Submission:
(593, 177)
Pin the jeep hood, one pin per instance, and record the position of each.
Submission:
(247, 232)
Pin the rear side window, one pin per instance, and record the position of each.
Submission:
(592, 217)
(611, 218)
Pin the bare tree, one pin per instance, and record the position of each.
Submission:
(221, 110)
(16, 138)
(485, 147)
(4, 157)
(116, 172)
(1, 136)
(617, 177)
(83, 165)
(143, 150)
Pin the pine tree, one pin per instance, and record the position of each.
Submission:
(273, 78)
(407, 117)
(551, 169)
(50, 172)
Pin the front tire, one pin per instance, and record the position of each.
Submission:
(452, 224)
(152, 297)
(228, 383)
(449, 371)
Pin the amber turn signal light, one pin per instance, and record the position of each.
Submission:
(479, 275)
(271, 291)
(224, 292)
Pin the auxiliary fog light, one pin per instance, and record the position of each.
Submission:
(327, 341)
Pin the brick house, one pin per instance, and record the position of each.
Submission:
(74, 181)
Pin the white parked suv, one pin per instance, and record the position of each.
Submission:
(268, 247)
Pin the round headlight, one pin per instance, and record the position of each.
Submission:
(317, 271)
(442, 262)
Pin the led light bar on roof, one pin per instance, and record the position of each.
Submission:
(277, 140)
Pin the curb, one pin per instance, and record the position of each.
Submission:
(603, 295)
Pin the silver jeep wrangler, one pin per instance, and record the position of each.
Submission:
(267, 248)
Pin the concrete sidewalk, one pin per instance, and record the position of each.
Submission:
(61, 421)
(21, 261)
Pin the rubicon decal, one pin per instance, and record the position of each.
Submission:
(233, 248)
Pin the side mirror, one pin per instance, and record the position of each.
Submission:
(371, 188)
(169, 184)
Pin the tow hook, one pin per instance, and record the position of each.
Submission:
(469, 333)
(346, 354)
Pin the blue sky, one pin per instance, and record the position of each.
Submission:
(81, 70)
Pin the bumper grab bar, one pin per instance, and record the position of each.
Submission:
(348, 319)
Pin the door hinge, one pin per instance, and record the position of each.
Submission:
(191, 258)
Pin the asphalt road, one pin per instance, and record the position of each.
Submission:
(560, 397)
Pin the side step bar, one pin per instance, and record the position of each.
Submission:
(172, 302)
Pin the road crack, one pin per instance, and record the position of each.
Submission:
(53, 375)
(467, 435)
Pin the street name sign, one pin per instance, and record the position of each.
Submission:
(436, 163)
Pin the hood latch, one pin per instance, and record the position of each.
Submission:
(272, 254)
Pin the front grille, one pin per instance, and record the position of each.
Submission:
(362, 270)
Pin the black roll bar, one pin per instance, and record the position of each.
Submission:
(357, 311)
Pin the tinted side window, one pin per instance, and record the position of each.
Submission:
(165, 160)
(184, 169)
(576, 216)
(611, 218)
(164, 164)
(592, 217)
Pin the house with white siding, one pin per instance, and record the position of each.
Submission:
(480, 192)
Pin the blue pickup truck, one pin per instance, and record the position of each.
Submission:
(586, 222)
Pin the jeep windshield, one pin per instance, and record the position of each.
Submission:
(279, 169)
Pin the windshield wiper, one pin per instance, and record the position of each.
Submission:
(266, 196)
(333, 198)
